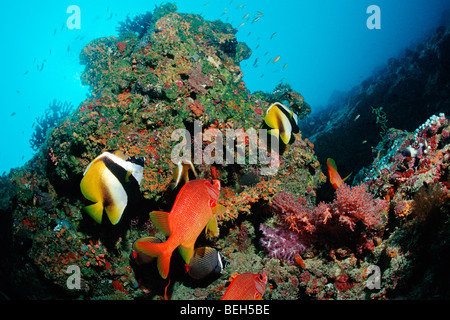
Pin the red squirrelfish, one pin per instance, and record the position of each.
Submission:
(333, 175)
(195, 207)
(246, 286)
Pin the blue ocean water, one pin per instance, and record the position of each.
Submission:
(320, 46)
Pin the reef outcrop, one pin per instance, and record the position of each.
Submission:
(165, 71)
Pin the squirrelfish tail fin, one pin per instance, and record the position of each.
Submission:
(159, 250)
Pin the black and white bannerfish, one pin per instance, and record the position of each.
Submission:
(111, 182)
(205, 261)
(281, 122)
(183, 172)
(410, 152)
(139, 257)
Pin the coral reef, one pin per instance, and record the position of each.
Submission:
(56, 112)
(167, 71)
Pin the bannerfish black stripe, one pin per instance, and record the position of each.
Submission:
(111, 182)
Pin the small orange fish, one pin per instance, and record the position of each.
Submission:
(335, 179)
(276, 59)
(246, 286)
(194, 208)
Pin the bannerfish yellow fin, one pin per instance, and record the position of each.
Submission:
(161, 220)
(274, 132)
(211, 228)
(95, 211)
(285, 135)
(186, 250)
(91, 190)
(114, 211)
(272, 118)
(89, 185)
(277, 119)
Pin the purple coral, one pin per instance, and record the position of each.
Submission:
(282, 243)
(199, 81)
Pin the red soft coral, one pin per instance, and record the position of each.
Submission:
(354, 210)
(354, 204)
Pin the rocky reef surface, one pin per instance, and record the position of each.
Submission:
(402, 94)
(383, 238)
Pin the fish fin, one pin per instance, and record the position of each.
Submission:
(211, 228)
(166, 297)
(177, 176)
(127, 176)
(89, 185)
(186, 250)
(218, 210)
(164, 264)
(161, 221)
(95, 211)
(119, 199)
(181, 172)
(273, 116)
(286, 135)
(115, 211)
(331, 163)
(274, 132)
(159, 250)
(347, 176)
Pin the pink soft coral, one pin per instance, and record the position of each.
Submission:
(354, 204)
(354, 210)
(283, 243)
